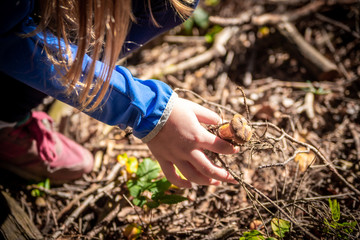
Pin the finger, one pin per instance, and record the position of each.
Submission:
(204, 165)
(171, 175)
(191, 174)
(213, 143)
(205, 115)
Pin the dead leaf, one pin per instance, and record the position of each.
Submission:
(304, 159)
(132, 231)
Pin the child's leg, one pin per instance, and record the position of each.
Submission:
(17, 99)
(29, 146)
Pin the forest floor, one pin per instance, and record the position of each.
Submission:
(292, 69)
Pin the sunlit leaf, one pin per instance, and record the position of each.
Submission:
(132, 231)
(47, 183)
(201, 18)
(304, 159)
(335, 209)
(134, 188)
(188, 26)
(148, 170)
(211, 2)
(132, 165)
(122, 158)
(210, 35)
(252, 235)
(35, 193)
(179, 173)
(264, 31)
(160, 186)
(280, 227)
(139, 201)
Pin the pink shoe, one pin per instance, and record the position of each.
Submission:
(35, 151)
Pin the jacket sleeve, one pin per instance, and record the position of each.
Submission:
(143, 105)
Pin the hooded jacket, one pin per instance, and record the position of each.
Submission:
(143, 105)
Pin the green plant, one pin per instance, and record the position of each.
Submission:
(280, 227)
(211, 33)
(211, 3)
(37, 192)
(199, 18)
(316, 91)
(148, 190)
(255, 235)
(343, 228)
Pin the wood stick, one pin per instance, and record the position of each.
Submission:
(15, 223)
(319, 66)
(217, 50)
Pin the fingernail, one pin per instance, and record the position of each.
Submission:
(236, 149)
(215, 182)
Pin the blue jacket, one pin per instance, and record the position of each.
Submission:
(143, 105)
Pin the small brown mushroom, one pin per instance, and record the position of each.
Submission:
(237, 130)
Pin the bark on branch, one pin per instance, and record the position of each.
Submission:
(319, 66)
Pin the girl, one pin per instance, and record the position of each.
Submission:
(67, 49)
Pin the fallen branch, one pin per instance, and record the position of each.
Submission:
(266, 84)
(331, 166)
(217, 50)
(319, 66)
(77, 199)
(306, 10)
(309, 199)
(247, 185)
(100, 226)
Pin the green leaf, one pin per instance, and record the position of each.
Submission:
(148, 170)
(145, 185)
(188, 26)
(134, 188)
(132, 165)
(210, 35)
(252, 235)
(47, 183)
(335, 209)
(201, 18)
(153, 204)
(139, 201)
(35, 193)
(157, 196)
(160, 186)
(319, 91)
(280, 227)
(347, 227)
(171, 199)
(211, 2)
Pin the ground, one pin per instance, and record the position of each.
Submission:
(302, 103)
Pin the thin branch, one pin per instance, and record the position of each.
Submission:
(331, 166)
(291, 219)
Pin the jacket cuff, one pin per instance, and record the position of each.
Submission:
(163, 119)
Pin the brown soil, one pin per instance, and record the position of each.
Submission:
(290, 110)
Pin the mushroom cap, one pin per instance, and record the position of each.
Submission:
(240, 128)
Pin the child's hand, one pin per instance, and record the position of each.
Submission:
(181, 141)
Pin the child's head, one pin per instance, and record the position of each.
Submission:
(99, 29)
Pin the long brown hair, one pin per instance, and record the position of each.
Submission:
(98, 28)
